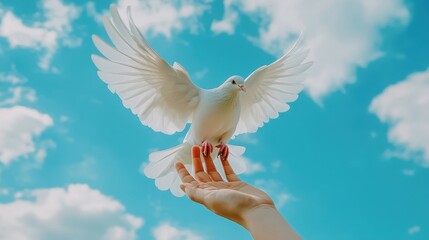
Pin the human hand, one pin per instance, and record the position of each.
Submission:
(233, 199)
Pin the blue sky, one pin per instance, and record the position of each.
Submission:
(348, 161)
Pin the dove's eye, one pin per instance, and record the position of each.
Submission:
(233, 82)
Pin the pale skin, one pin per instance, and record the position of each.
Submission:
(235, 200)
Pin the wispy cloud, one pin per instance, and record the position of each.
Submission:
(252, 167)
(247, 138)
(42, 150)
(201, 74)
(4, 191)
(276, 164)
(84, 169)
(282, 199)
(11, 78)
(20, 126)
(275, 190)
(64, 118)
(16, 95)
(16, 91)
(413, 230)
(408, 172)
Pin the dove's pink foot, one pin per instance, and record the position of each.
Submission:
(207, 148)
(223, 151)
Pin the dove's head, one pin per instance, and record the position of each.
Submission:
(234, 83)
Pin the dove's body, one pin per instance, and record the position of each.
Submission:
(215, 118)
(165, 99)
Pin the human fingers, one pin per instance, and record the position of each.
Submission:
(211, 169)
(200, 174)
(184, 174)
(229, 172)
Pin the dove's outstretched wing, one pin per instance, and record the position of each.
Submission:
(270, 88)
(163, 97)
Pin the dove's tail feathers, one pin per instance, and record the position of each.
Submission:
(161, 167)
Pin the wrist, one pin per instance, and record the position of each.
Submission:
(256, 213)
(264, 222)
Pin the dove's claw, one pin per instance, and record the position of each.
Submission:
(223, 151)
(207, 148)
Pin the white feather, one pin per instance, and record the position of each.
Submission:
(132, 69)
(270, 87)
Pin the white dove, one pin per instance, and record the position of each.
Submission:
(165, 99)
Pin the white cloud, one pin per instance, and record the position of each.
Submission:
(227, 24)
(11, 78)
(404, 107)
(342, 35)
(42, 150)
(276, 165)
(47, 35)
(247, 138)
(166, 231)
(20, 35)
(160, 17)
(282, 199)
(201, 74)
(4, 191)
(74, 212)
(59, 15)
(64, 118)
(18, 129)
(15, 94)
(92, 12)
(84, 169)
(413, 230)
(18, 94)
(252, 167)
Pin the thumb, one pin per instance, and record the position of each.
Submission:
(183, 186)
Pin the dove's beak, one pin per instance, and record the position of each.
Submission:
(242, 88)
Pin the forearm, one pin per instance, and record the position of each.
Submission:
(266, 223)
